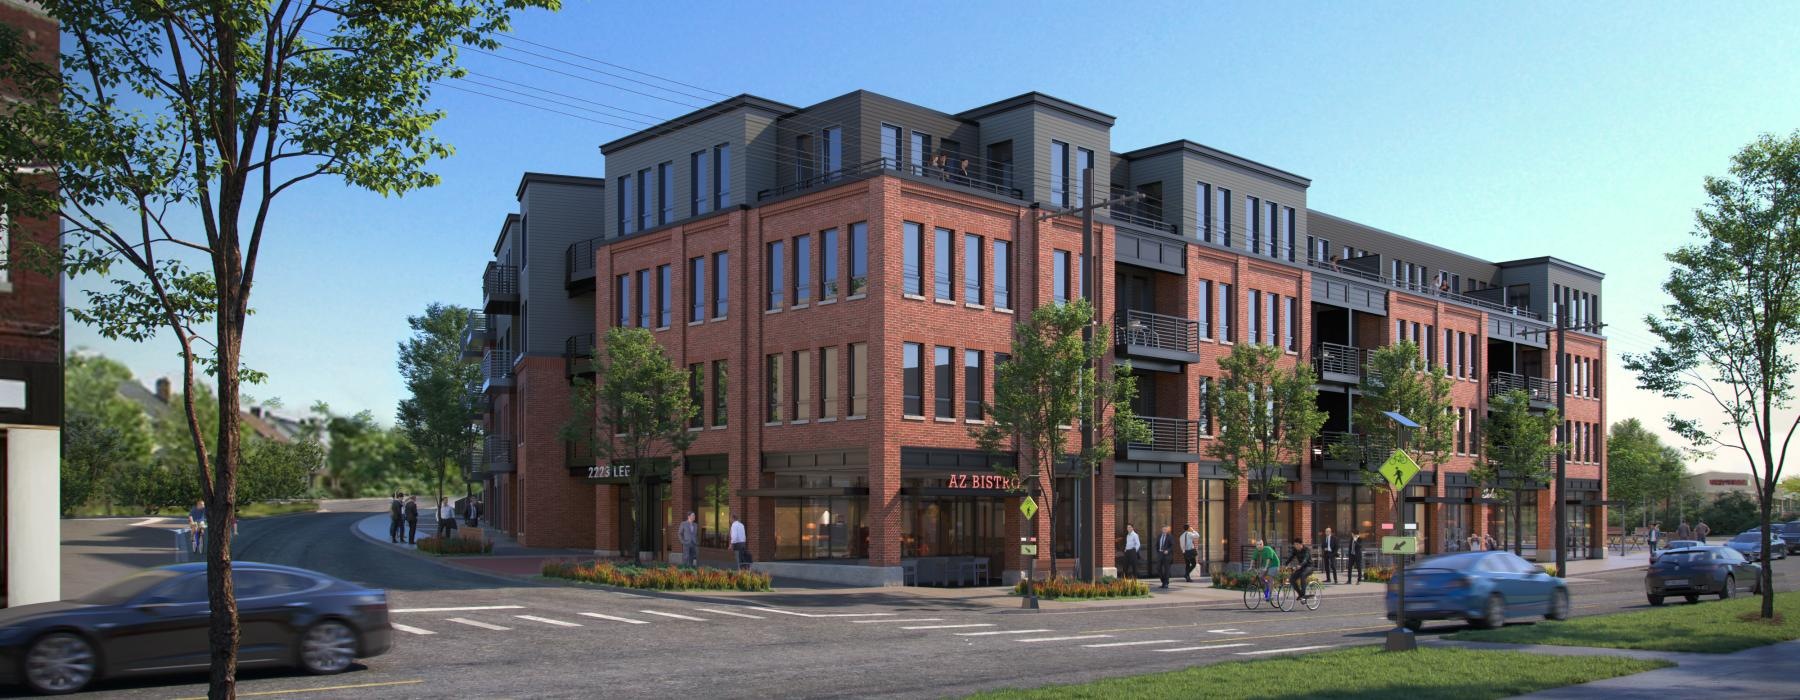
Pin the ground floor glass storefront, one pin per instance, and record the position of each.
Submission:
(824, 526)
(1459, 518)
(1515, 526)
(708, 496)
(1209, 521)
(1146, 504)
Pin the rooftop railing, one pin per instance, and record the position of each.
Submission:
(1422, 289)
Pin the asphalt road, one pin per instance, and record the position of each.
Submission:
(468, 635)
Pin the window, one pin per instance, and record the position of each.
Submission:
(643, 285)
(772, 397)
(627, 219)
(1084, 160)
(1059, 173)
(1002, 274)
(828, 264)
(972, 287)
(859, 380)
(1253, 227)
(943, 268)
(711, 504)
(1059, 276)
(719, 383)
(1255, 317)
(697, 394)
(921, 149)
(696, 289)
(622, 314)
(721, 291)
(1271, 314)
(973, 385)
(665, 177)
(721, 176)
(1227, 313)
(1000, 162)
(1288, 231)
(1203, 213)
(1206, 413)
(890, 146)
(802, 269)
(697, 182)
(665, 295)
(1221, 211)
(1430, 347)
(804, 170)
(803, 368)
(944, 382)
(915, 259)
(5, 247)
(1204, 308)
(1269, 232)
(1289, 337)
(773, 262)
(828, 383)
(831, 149)
(912, 379)
(646, 208)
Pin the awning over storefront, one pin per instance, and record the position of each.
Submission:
(806, 492)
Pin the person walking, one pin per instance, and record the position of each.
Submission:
(1701, 531)
(1190, 552)
(1684, 532)
(472, 511)
(1654, 536)
(446, 519)
(690, 541)
(1165, 554)
(1356, 559)
(740, 544)
(197, 526)
(1329, 545)
(412, 520)
(396, 519)
(1132, 545)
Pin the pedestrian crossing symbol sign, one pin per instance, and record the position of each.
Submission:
(1028, 508)
(1398, 469)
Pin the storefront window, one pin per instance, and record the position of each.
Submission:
(710, 494)
(1213, 542)
(945, 525)
(821, 527)
(1147, 504)
(1459, 518)
(1506, 530)
(1063, 518)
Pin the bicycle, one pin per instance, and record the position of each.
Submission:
(1286, 597)
(1255, 596)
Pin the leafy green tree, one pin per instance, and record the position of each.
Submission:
(1267, 418)
(1733, 319)
(1398, 379)
(435, 415)
(1732, 511)
(275, 470)
(92, 452)
(639, 409)
(1640, 470)
(1048, 386)
(1515, 452)
(102, 428)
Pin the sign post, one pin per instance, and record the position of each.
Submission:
(1028, 507)
(1398, 470)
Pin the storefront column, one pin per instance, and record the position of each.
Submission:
(606, 521)
(33, 523)
(884, 517)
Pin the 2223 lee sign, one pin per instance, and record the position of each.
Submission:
(609, 471)
(983, 481)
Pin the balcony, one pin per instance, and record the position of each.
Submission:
(499, 449)
(497, 371)
(578, 353)
(956, 169)
(475, 336)
(1342, 364)
(500, 289)
(475, 466)
(1171, 440)
(1146, 213)
(1329, 449)
(1162, 342)
(578, 267)
(479, 404)
(1543, 392)
(1358, 268)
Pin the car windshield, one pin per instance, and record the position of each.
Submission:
(1692, 555)
(1748, 537)
(127, 588)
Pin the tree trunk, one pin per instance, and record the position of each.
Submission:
(222, 637)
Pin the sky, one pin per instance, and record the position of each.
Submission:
(1504, 130)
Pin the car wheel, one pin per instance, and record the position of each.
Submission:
(1655, 599)
(1494, 615)
(327, 647)
(60, 663)
(1415, 625)
(1559, 605)
(1730, 588)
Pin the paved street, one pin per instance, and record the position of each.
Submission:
(472, 635)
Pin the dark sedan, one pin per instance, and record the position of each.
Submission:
(1481, 587)
(1698, 571)
(156, 622)
(1790, 533)
(1749, 544)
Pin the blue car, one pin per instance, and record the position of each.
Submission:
(1480, 588)
(1749, 544)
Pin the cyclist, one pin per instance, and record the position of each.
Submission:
(1267, 565)
(1300, 557)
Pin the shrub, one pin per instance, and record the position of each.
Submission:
(1073, 589)
(659, 578)
(1378, 574)
(456, 546)
(1235, 580)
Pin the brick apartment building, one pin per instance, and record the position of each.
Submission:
(30, 378)
(856, 267)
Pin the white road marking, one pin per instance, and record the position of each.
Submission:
(1129, 644)
(1228, 630)
(548, 621)
(463, 609)
(949, 627)
(914, 619)
(1204, 648)
(678, 617)
(482, 625)
(409, 629)
(626, 620)
(994, 632)
(146, 522)
(1283, 651)
(1067, 639)
(801, 614)
(728, 612)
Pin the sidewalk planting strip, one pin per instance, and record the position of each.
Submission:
(461, 609)
(625, 620)
(1067, 639)
(1130, 644)
(548, 621)
(1204, 648)
(1283, 651)
(673, 615)
(409, 629)
(994, 632)
(483, 625)
(728, 612)
(949, 627)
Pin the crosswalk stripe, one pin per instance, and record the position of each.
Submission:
(482, 625)
(1130, 644)
(1281, 651)
(668, 614)
(625, 620)
(548, 621)
(728, 612)
(912, 619)
(801, 614)
(1204, 648)
(461, 609)
(1066, 639)
(409, 629)
(949, 627)
(994, 632)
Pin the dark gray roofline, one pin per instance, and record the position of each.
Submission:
(1211, 153)
(1559, 262)
(720, 108)
(553, 178)
(1314, 212)
(1034, 98)
(878, 97)
(510, 218)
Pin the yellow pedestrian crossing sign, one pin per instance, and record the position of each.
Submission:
(1398, 469)
(1028, 508)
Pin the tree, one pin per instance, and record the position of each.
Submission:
(92, 452)
(1732, 511)
(102, 429)
(640, 408)
(1398, 379)
(278, 470)
(1733, 319)
(1046, 388)
(1640, 469)
(1267, 418)
(435, 416)
(173, 130)
(1515, 452)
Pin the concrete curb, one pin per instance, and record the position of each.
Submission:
(356, 529)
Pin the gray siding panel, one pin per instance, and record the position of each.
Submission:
(1150, 251)
(1343, 232)
(744, 129)
(1349, 294)
(556, 215)
(1518, 330)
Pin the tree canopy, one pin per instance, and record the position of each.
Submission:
(1267, 416)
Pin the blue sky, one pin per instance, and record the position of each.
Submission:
(1580, 130)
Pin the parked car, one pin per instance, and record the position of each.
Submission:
(1790, 533)
(1673, 544)
(1697, 571)
(155, 621)
(1479, 587)
(1749, 544)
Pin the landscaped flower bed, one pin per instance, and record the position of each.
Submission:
(1072, 589)
(1235, 580)
(456, 546)
(1378, 574)
(659, 578)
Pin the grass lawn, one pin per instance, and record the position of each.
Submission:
(1362, 672)
(1715, 627)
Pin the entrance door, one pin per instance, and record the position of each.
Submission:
(657, 502)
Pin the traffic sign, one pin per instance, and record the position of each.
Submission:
(1398, 469)
(1399, 545)
(1029, 550)
(1028, 508)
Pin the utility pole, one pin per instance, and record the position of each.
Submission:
(1562, 431)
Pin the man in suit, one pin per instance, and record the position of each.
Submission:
(1165, 554)
(1356, 559)
(690, 541)
(1328, 543)
(412, 520)
(395, 517)
(1190, 552)
(1132, 545)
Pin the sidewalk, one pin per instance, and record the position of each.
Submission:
(1764, 672)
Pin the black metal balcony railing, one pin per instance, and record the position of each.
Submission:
(1177, 435)
(1363, 451)
(1423, 289)
(578, 262)
(500, 280)
(1505, 382)
(499, 449)
(475, 335)
(475, 463)
(578, 353)
(1541, 389)
(1158, 331)
(1146, 212)
(1339, 359)
(497, 367)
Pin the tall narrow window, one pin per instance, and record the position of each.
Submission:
(772, 278)
(627, 214)
(721, 410)
(859, 258)
(1059, 173)
(1059, 276)
(1288, 232)
(646, 205)
(802, 269)
(1002, 274)
(921, 150)
(972, 267)
(665, 296)
(831, 149)
(973, 385)
(622, 315)
(1084, 159)
(1204, 308)
(721, 176)
(859, 380)
(1222, 215)
(1203, 221)
(721, 288)
(943, 268)
(1290, 338)
(1271, 314)
(1253, 239)
(697, 394)
(803, 368)
(1206, 413)
(828, 383)
(1255, 317)
(696, 289)
(828, 264)
(1227, 313)
(1270, 231)
(804, 170)
(644, 291)
(772, 397)
(698, 180)
(912, 380)
(912, 282)
(944, 381)
(665, 198)
(890, 146)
